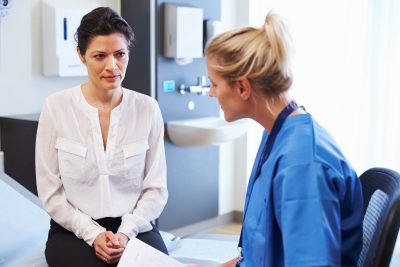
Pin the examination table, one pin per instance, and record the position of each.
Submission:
(24, 226)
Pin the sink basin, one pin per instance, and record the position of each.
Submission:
(204, 131)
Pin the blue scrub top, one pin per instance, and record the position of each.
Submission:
(306, 206)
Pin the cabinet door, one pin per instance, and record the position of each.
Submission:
(18, 144)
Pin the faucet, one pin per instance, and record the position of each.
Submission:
(201, 87)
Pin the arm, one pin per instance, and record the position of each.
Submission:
(154, 190)
(50, 186)
(230, 263)
(307, 210)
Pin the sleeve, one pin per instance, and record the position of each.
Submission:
(154, 191)
(50, 186)
(306, 202)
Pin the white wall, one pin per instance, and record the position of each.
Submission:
(328, 65)
(22, 86)
(345, 68)
(233, 163)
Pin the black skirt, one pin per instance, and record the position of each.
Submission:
(63, 248)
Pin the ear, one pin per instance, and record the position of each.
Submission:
(244, 88)
(80, 56)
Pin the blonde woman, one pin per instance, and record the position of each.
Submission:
(304, 201)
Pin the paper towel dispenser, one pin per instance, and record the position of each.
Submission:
(183, 32)
(59, 47)
(5, 7)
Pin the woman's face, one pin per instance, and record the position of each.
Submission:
(106, 59)
(227, 96)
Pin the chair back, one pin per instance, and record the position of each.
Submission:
(381, 189)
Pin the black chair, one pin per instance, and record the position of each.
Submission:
(381, 188)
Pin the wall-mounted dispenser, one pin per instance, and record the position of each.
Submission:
(183, 33)
(59, 47)
(213, 28)
(5, 7)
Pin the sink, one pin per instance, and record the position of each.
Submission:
(205, 131)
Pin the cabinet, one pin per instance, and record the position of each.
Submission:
(17, 139)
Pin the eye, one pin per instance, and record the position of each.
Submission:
(212, 83)
(99, 56)
(120, 54)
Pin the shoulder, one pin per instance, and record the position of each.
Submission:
(137, 100)
(295, 143)
(305, 142)
(62, 96)
(305, 139)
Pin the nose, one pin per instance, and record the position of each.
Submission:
(211, 93)
(111, 63)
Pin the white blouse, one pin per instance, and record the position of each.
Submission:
(78, 181)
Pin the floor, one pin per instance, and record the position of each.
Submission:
(231, 229)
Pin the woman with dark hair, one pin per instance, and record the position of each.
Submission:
(304, 203)
(100, 160)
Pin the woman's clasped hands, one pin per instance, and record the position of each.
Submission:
(109, 246)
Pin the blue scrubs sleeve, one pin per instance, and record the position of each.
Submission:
(306, 201)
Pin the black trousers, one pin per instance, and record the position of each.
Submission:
(64, 249)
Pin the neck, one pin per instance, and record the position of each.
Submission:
(102, 99)
(267, 110)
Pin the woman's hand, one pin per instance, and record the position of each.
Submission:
(231, 263)
(108, 247)
(122, 239)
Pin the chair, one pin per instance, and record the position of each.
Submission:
(381, 188)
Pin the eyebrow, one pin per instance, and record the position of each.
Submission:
(103, 52)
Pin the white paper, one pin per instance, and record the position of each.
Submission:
(139, 254)
(204, 251)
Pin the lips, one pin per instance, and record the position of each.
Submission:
(111, 78)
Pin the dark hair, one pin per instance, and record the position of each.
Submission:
(101, 21)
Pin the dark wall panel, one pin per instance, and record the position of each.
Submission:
(18, 136)
(192, 171)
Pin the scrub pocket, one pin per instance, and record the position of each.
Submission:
(135, 159)
(71, 159)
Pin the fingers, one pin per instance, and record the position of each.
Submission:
(114, 260)
(114, 251)
(110, 236)
(109, 252)
(107, 249)
(109, 255)
(122, 238)
(107, 258)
